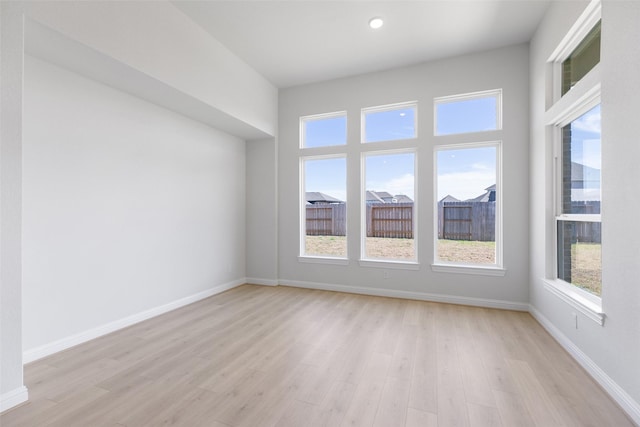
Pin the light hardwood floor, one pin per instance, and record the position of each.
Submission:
(279, 356)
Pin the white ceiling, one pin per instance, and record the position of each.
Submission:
(297, 42)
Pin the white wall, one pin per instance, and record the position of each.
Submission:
(127, 206)
(504, 68)
(610, 352)
(12, 390)
(262, 238)
(157, 39)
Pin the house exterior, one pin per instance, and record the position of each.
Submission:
(318, 198)
(374, 197)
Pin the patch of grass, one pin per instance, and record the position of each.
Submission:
(377, 247)
(326, 245)
(386, 248)
(467, 251)
(586, 267)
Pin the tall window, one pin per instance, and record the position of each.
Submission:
(389, 223)
(576, 276)
(323, 187)
(468, 194)
(468, 189)
(324, 210)
(578, 220)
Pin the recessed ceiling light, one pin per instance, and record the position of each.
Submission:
(376, 23)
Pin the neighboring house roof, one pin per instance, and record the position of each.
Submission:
(388, 198)
(318, 197)
(489, 196)
(372, 197)
(448, 198)
(401, 198)
(384, 197)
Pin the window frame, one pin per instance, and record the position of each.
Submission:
(323, 116)
(364, 261)
(573, 114)
(562, 110)
(496, 269)
(385, 108)
(302, 215)
(468, 97)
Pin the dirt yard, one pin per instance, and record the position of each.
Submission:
(467, 252)
(585, 271)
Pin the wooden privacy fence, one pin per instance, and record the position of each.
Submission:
(326, 220)
(467, 221)
(456, 220)
(393, 220)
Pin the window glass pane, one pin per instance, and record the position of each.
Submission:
(581, 164)
(322, 132)
(466, 183)
(389, 205)
(581, 60)
(475, 114)
(390, 125)
(325, 207)
(579, 255)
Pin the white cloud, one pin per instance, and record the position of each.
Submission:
(465, 185)
(590, 122)
(402, 185)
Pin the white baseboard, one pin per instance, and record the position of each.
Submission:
(394, 293)
(626, 402)
(13, 398)
(65, 343)
(259, 281)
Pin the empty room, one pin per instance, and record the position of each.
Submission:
(319, 213)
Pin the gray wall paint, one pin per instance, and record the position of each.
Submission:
(11, 38)
(504, 68)
(614, 347)
(262, 239)
(127, 206)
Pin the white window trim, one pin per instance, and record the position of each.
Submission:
(587, 303)
(314, 117)
(389, 264)
(302, 214)
(467, 97)
(585, 23)
(581, 98)
(311, 259)
(388, 107)
(375, 262)
(472, 269)
(576, 298)
(438, 265)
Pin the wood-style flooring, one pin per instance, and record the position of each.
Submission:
(280, 356)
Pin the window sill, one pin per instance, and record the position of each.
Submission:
(397, 265)
(564, 291)
(469, 269)
(323, 260)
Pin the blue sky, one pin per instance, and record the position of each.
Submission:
(585, 139)
(478, 114)
(461, 173)
(465, 173)
(586, 150)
